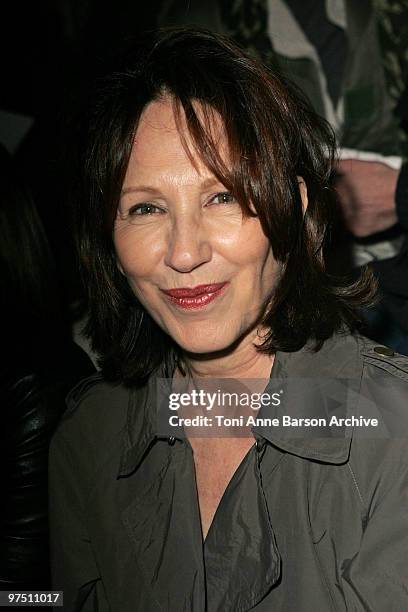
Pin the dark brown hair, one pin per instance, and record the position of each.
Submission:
(274, 137)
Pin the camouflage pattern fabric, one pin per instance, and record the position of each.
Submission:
(392, 19)
(376, 71)
(366, 120)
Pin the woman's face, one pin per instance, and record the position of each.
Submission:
(202, 270)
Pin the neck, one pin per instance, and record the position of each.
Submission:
(242, 361)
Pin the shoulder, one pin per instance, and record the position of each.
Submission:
(383, 389)
(380, 360)
(379, 455)
(94, 396)
(94, 419)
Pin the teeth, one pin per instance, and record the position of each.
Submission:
(195, 300)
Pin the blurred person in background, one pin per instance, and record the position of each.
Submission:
(40, 364)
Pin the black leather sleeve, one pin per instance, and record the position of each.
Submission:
(32, 401)
(30, 412)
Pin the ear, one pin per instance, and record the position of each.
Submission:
(303, 192)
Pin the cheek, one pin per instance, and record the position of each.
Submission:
(260, 272)
(137, 254)
(254, 248)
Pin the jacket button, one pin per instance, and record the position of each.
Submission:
(259, 444)
(384, 350)
(171, 440)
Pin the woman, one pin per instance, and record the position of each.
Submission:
(202, 233)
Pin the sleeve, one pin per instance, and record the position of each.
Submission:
(376, 578)
(73, 567)
(30, 413)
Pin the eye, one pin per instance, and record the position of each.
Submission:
(144, 209)
(224, 197)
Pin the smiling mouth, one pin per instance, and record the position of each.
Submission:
(195, 297)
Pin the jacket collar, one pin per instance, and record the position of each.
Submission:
(336, 370)
(339, 358)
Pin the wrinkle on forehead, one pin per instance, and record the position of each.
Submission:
(168, 115)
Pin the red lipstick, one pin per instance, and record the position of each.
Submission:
(195, 297)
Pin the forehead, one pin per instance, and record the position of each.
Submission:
(163, 139)
(157, 119)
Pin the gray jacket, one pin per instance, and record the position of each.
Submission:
(305, 525)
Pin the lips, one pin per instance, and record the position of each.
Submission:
(195, 297)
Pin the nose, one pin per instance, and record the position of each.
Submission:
(189, 245)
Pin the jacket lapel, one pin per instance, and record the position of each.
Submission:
(241, 557)
(162, 519)
(161, 523)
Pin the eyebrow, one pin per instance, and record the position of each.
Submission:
(209, 182)
(138, 188)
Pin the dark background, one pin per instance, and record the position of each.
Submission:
(50, 52)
